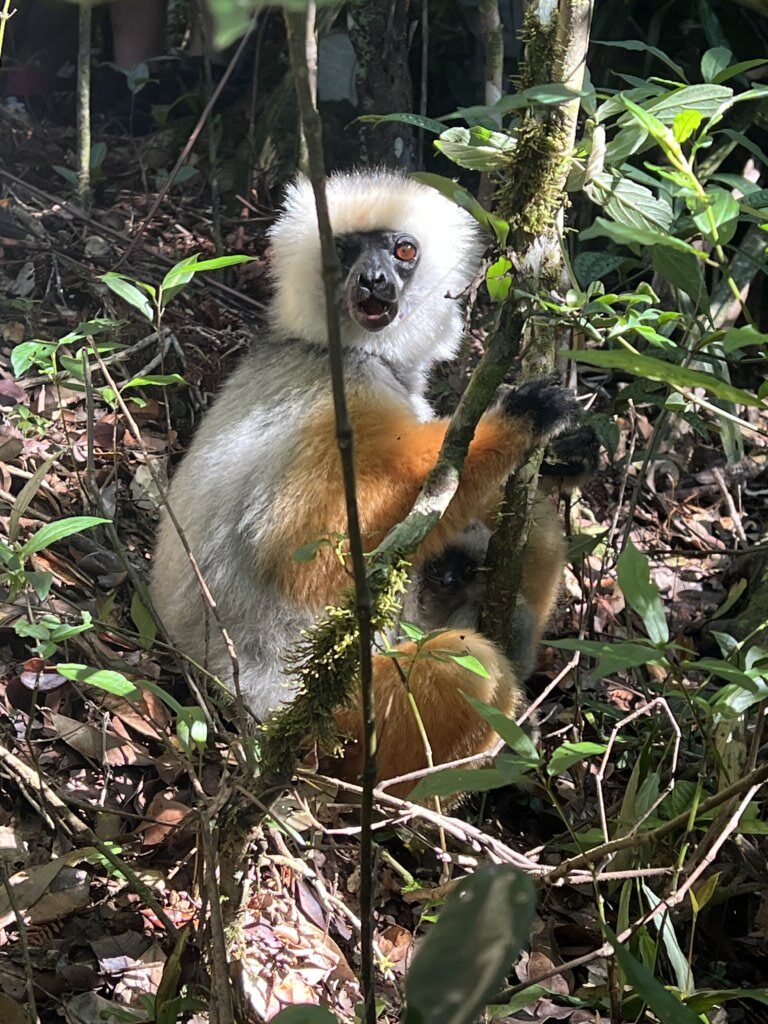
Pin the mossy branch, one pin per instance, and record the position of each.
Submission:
(531, 196)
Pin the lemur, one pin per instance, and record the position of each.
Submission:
(263, 476)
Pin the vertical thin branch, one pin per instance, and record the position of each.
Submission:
(312, 128)
(423, 93)
(84, 104)
(5, 15)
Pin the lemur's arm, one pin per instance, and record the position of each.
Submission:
(394, 452)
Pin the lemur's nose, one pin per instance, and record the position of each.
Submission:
(372, 281)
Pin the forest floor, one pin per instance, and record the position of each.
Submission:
(85, 772)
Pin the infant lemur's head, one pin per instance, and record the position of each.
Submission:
(407, 254)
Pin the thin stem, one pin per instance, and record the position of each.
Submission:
(296, 27)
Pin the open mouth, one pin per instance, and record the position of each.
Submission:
(373, 314)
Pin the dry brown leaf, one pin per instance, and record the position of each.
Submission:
(166, 815)
(97, 744)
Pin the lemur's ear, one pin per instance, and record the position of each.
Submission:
(570, 460)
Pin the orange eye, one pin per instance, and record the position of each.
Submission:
(405, 251)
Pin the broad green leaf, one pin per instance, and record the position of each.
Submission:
(466, 661)
(52, 532)
(739, 68)
(549, 94)
(743, 337)
(708, 999)
(719, 219)
(635, 44)
(668, 373)
(415, 120)
(629, 203)
(685, 124)
(641, 593)
(466, 955)
(477, 149)
(219, 262)
(232, 18)
(568, 754)
(723, 670)
(467, 202)
(681, 269)
(497, 280)
(458, 780)
(612, 657)
(130, 293)
(667, 1007)
(594, 266)
(707, 99)
(625, 235)
(30, 353)
(675, 954)
(411, 631)
(714, 62)
(104, 679)
(512, 734)
(306, 1013)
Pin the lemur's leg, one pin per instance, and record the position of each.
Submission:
(453, 727)
(394, 452)
(543, 562)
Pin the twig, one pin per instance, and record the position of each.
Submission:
(21, 924)
(296, 26)
(77, 831)
(756, 778)
(738, 526)
(5, 16)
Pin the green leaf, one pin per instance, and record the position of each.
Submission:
(626, 235)
(218, 263)
(713, 62)
(31, 353)
(466, 956)
(458, 780)
(305, 1013)
(612, 657)
(415, 120)
(681, 269)
(467, 202)
(685, 124)
(668, 373)
(641, 593)
(160, 380)
(708, 999)
(724, 670)
(547, 95)
(739, 68)
(143, 621)
(636, 45)
(497, 280)
(477, 149)
(743, 337)
(675, 954)
(707, 99)
(512, 734)
(468, 662)
(667, 1007)
(411, 631)
(719, 219)
(192, 728)
(568, 754)
(130, 293)
(104, 679)
(629, 203)
(52, 532)
(594, 266)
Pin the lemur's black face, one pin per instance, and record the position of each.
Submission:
(377, 266)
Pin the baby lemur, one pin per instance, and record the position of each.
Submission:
(263, 476)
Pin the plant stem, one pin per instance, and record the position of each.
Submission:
(296, 27)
